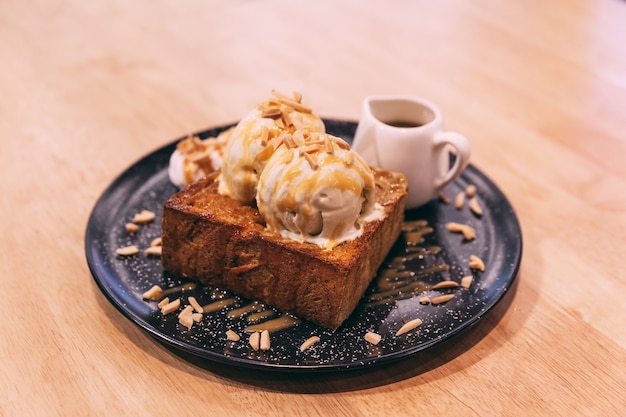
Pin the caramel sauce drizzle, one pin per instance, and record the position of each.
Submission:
(218, 305)
(280, 323)
(260, 316)
(395, 282)
(248, 308)
(180, 288)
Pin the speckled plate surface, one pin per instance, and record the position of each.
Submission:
(387, 304)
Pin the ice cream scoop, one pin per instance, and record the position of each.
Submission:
(254, 139)
(322, 192)
(195, 158)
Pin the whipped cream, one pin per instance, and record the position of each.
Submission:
(194, 158)
(322, 192)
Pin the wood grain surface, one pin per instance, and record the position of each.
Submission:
(89, 87)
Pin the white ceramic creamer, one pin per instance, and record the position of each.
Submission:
(405, 134)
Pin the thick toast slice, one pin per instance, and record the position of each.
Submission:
(223, 243)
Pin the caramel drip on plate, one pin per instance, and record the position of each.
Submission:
(260, 316)
(180, 288)
(395, 282)
(218, 305)
(283, 322)
(248, 308)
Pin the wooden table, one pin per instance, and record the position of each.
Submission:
(539, 87)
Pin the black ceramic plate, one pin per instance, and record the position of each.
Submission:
(498, 243)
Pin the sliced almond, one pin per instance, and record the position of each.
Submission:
(232, 336)
(470, 190)
(195, 304)
(442, 299)
(311, 148)
(425, 300)
(265, 340)
(171, 307)
(197, 317)
(444, 198)
(408, 326)
(131, 227)
(157, 241)
(466, 281)
(144, 216)
(127, 250)
(186, 321)
(272, 113)
(445, 284)
(289, 141)
(163, 302)
(309, 342)
(297, 106)
(342, 144)
(153, 251)
(469, 233)
(454, 227)
(255, 340)
(476, 263)
(155, 293)
(328, 145)
(475, 207)
(312, 162)
(186, 311)
(298, 138)
(349, 158)
(373, 338)
(459, 200)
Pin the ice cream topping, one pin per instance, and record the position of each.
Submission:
(255, 138)
(321, 192)
(308, 185)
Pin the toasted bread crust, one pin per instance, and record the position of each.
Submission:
(222, 243)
